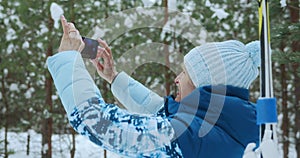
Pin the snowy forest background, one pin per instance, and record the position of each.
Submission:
(32, 120)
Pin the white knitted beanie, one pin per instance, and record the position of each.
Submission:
(228, 63)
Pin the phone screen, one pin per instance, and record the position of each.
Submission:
(90, 48)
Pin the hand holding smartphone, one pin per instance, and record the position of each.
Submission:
(90, 48)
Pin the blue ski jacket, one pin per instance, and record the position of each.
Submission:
(211, 122)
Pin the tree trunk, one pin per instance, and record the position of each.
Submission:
(72, 5)
(105, 154)
(294, 13)
(47, 123)
(46, 138)
(297, 108)
(166, 52)
(73, 143)
(285, 119)
(28, 144)
(5, 139)
(3, 91)
(106, 16)
(28, 127)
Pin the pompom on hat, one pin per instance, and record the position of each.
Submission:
(228, 63)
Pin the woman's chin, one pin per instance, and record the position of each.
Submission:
(178, 98)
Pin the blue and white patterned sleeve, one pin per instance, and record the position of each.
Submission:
(134, 96)
(105, 124)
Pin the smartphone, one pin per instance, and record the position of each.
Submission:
(90, 48)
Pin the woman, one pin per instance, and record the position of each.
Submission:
(211, 115)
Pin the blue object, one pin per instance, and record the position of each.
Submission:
(230, 119)
(266, 111)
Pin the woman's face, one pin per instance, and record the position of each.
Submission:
(184, 84)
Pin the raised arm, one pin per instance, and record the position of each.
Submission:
(105, 124)
(133, 95)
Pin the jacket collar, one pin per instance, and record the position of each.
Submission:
(171, 106)
(227, 91)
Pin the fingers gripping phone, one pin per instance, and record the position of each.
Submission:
(90, 48)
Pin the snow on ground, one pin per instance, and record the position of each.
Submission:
(61, 145)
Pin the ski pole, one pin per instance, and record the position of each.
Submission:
(266, 104)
